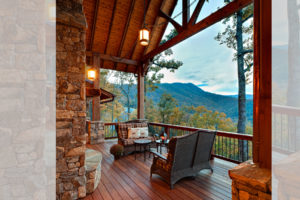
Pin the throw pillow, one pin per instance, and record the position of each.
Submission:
(133, 132)
(144, 132)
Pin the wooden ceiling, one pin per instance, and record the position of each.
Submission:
(113, 27)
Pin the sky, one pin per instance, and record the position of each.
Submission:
(206, 63)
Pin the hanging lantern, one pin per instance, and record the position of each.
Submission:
(52, 12)
(91, 74)
(144, 36)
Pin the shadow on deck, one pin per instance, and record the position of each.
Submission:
(128, 178)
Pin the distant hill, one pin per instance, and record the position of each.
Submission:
(189, 94)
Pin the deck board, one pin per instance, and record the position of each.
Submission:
(128, 178)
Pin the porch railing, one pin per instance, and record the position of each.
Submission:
(226, 144)
(110, 130)
(285, 128)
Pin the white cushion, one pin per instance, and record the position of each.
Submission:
(133, 132)
(144, 132)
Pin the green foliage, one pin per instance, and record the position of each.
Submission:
(166, 106)
(113, 111)
(161, 61)
(167, 111)
(228, 37)
(125, 81)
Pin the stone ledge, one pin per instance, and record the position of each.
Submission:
(250, 182)
(93, 169)
(251, 175)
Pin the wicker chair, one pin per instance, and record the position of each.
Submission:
(122, 131)
(187, 155)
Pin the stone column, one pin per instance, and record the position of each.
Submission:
(249, 181)
(70, 100)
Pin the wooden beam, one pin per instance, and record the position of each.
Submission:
(125, 31)
(114, 58)
(94, 25)
(196, 13)
(146, 67)
(215, 17)
(137, 40)
(177, 26)
(110, 25)
(141, 97)
(164, 29)
(185, 12)
(92, 92)
(126, 27)
(262, 87)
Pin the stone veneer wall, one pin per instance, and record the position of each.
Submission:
(249, 182)
(95, 130)
(70, 100)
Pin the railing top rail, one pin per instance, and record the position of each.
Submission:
(110, 123)
(288, 110)
(219, 133)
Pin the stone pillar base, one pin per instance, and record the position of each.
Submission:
(250, 182)
(95, 130)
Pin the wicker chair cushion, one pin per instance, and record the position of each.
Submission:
(163, 164)
(144, 132)
(133, 133)
(123, 128)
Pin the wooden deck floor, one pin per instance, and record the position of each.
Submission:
(128, 178)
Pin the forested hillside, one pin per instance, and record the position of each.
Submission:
(188, 94)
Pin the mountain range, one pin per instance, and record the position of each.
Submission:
(191, 95)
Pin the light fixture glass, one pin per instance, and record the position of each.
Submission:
(91, 74)
(52, 12)
(144, 36)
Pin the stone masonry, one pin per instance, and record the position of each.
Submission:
(95, 130)
(250, 182)
(70, 100)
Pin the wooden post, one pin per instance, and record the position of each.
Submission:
(96, 100)
(185, 12)
(141, 98)
(262, 116)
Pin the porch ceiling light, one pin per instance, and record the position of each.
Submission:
(52, 12)
(144, 36)
(144, 32)
(91, 74)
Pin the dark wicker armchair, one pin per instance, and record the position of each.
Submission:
(187, 155)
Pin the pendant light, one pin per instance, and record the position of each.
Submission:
(144, 32)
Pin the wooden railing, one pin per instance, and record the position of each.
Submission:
(110, 130)
(226, 144)
(285, 127)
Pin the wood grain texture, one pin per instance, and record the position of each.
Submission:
(128, 178)
(262, 87)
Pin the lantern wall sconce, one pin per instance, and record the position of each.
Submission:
(91, 73)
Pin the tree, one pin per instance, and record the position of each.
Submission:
(151, 111)
(293, 96)
(159, 62)
(112, 111)
(166, 107)
(238, 35)
(125, 82)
